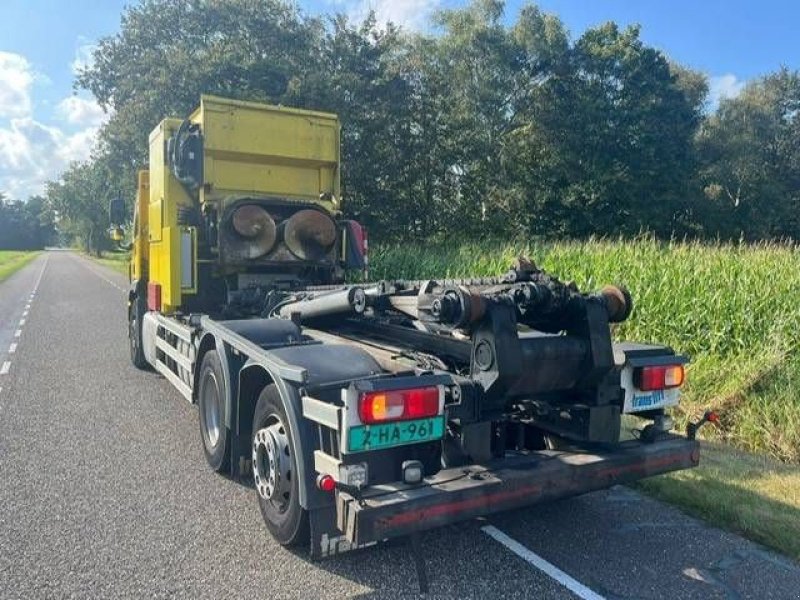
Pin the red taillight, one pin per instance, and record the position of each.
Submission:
(659, 378)
(398, 405)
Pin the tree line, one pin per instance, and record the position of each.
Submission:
(478, 128)
(25, 225)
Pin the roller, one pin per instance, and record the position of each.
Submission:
(348, 301)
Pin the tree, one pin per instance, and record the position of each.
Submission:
(481, 129)
(614, 129)
(25, 225)
(168, 53)
(363, 79)
(750, 151)
(80, 199)
(481, 71)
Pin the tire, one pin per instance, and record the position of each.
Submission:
(135, 315)
(211, 396)
(277, 486)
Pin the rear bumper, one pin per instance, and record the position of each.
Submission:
(467, 492)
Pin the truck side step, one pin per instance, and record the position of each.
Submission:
(171, 351)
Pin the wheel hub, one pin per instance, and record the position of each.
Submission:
(272, 464)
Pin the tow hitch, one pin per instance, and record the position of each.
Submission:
(709, 417)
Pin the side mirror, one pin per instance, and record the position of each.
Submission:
(117, 214)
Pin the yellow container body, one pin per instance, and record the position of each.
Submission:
(250, 150)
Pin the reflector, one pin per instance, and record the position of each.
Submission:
(326, 483)
(309, 234)
(153, 295)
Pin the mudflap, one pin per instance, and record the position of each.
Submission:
(327, 540)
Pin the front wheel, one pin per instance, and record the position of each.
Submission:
(275, 471)
(211, 396)
(135, 316)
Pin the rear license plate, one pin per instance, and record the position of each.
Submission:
(375, 437)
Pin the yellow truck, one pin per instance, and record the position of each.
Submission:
(364, 411)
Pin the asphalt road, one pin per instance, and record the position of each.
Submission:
(104, 493)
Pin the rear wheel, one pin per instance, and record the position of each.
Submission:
(135, 316)
(211, 404)
(275, 471)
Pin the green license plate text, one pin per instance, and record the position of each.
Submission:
(375, 437)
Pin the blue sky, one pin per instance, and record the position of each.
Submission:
(43, 125)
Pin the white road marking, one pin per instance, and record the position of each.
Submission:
(41, 273)
(6, 366)
(574, 586)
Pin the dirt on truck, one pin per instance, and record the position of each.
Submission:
(367, 411)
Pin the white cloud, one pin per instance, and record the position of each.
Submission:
(411, 14)
(84, 112)
(16, 79)
(78, 146)
(32, 153)
(723, 86)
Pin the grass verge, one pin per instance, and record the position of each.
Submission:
(12, 261)
(752, 495)
(114, 260)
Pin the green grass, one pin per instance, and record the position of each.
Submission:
(753, 495)
(114, 260)
(13, 260)
(734, 310)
